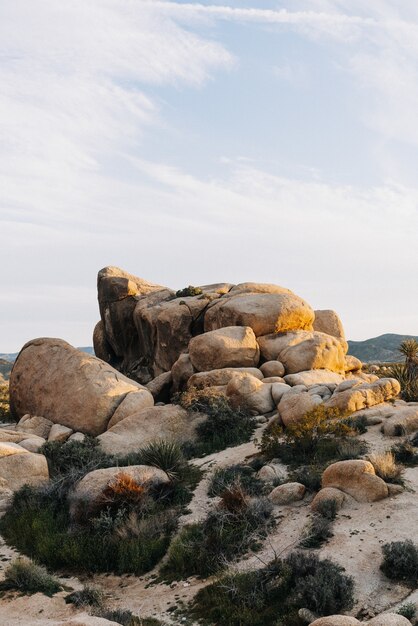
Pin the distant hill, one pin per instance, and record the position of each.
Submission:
(383, 348)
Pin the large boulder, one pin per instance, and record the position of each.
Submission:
(69, 387)
(272, 368)
(293, 406)
(364, 395)
(356, 478)
(220, 377)
(247, 392)
(304, 350)
(35, 425)
(233, 346)
(20, 467)
(265, 313)
(287, 493)
(328, 322)
(169, 422)
(86, 497)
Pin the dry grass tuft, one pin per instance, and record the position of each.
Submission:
(386, 467)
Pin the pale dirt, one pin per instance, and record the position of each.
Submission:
(359, 532)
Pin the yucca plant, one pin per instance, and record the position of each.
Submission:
(166, 455)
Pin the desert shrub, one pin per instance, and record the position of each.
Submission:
(25, 575)
(123, 491)
(126, 618)
(88, 596)
(386, 467)
(327, 508)
(400, 561)
(405, 453)
(223, 478)
(188, 291)
(407, 610)
(235, 526)
(317, 532)
(75, 456)
(351, 448)
(407, 372)
(308, 475)
(272, 595)
(224, 426)
(357, 423)
(317, 438)
(5, 415)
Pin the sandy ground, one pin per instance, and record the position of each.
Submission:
(359, 533)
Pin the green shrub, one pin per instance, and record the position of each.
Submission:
(25, 575)
(273, 594)
(88, 596)
(407, 610)
(5, 415)
(317, 438)
(230, 530)
(188, 291)
(327, 508)
(400, 561)
(308, 475)
(224, 426)
(223, 478)
(405, 453)
(75, 456)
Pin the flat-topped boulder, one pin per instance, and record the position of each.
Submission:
(52, 379)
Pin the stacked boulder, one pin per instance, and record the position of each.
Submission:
(260, 344)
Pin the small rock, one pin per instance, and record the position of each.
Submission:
(287, 493)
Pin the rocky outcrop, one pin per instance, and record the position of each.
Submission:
(220, 377)
(20, 467)
(247, 392)
(357, 479)
(52, 379)
(363, 395)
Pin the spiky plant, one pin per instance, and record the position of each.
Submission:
(166, 455)
(409, 349)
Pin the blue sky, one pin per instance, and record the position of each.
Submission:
(200, 142)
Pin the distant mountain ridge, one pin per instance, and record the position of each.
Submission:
(384, 348)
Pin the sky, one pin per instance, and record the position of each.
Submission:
(192, 143)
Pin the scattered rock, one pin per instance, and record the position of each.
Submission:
(33, 444)
(36, 425)
(272, 368)
(329, 494)
(59, 433)
(271, 472)
(357, 478)
(287, 493)
(19, 467)
(278, 390)
(404, 420)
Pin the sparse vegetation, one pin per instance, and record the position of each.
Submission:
(5, 415)
(272, 595)
(407, 372)
(75, 457)
(88, 596)
(322, 436)
(317, 532)
(400, 561)
(386, 467)
(223, 479)
(224, 426)
(26, 576)
(189, 291)
(231, 529)
(405, 453)
(407, 610)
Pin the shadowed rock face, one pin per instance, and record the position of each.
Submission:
(145, 328)
(66, 386)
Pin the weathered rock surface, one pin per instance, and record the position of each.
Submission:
(329, 494)
(19, 467)
(181, 371)
(233, 346)
(69, 387)
(160, 387)
(169, 422)
(352, 363)
(293, 406)
(314, 377)
(246, 391)
(364, 395)
(401, 421)
(265, 313)
(301, 350)
(59, 433)
(218, 377)
(287, 493)
(85, 497)
(389, 619)
(36, 425)
(336, 620)
(357, 478)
